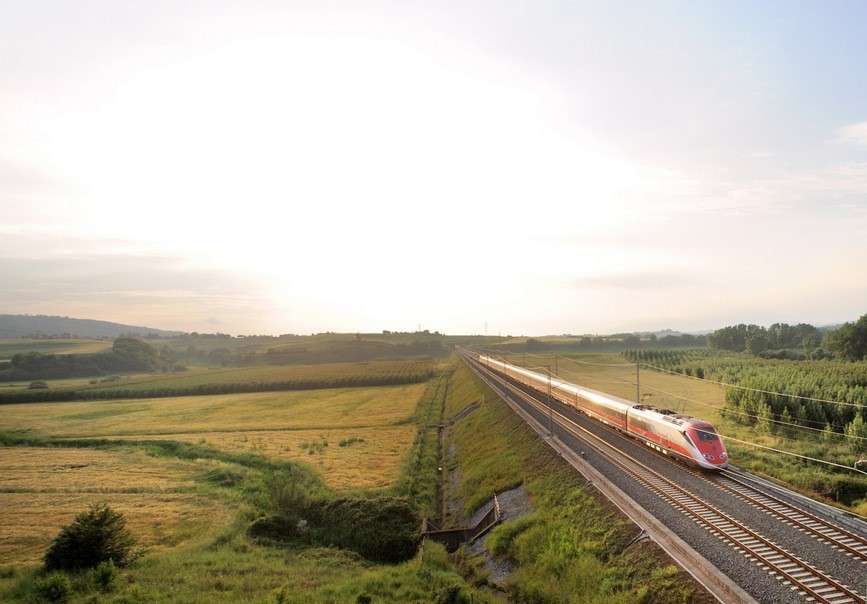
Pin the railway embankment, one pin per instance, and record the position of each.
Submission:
(558, 535)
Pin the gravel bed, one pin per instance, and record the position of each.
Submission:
(513, 504)
(747, 574)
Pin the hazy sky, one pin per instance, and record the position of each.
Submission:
(255, 167)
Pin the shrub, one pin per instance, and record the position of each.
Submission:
(55, 587)
(384, 529)
(97, 535)
(105, 575)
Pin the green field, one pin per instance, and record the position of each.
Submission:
(9, 347)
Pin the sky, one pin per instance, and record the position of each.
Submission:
(509, 167)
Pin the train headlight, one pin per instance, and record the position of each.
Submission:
(708, 456)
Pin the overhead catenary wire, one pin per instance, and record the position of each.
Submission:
(743, 413)
(727, 385)
(784, 452)
(774, 449)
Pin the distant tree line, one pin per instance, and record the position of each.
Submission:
(801, 341)
(126, 355)
(612, 343)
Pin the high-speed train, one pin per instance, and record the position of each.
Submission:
(688, 438)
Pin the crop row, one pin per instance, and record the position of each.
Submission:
(350, 381)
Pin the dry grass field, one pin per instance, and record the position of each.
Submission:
(41, 489)
(365, 458)
(373, 424)
(294, 410)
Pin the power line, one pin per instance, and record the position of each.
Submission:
(798, 396)
(784, 452)
(744, 413)
(781, 451)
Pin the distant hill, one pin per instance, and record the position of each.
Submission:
(22, 326)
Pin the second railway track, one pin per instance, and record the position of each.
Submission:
(792, 571)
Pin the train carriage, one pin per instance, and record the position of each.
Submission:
(690, 439)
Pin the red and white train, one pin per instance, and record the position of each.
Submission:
(688, 438)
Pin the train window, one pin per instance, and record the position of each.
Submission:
(706, 434)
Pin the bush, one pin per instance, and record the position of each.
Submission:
(55, 587)
(97, 535)
(384, 529)
(105, 575)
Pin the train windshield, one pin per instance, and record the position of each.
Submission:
(706, 434)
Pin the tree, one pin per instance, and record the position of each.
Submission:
(849, 341)
(95, 536)
(757, 343)
(857, 431)
(763, 425)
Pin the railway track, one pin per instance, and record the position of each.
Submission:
(793, 572)
(841, 539)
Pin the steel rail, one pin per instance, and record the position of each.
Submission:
(853, 544)
(787, 567)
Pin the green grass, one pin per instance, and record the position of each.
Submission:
(573, 546)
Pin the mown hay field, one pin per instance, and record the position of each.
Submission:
(43, 488)
(373, 425)
(294, 410)
(347, 458)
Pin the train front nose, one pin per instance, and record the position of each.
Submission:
(709, 445)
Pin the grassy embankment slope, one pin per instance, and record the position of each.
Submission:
(612, 374)
(216, 560)
(573, 547)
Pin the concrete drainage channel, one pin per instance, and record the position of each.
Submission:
(453, 538)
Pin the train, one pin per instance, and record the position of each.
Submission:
(687, 438)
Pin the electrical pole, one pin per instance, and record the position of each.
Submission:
(556, 366)
(550, 406)
(637, 383)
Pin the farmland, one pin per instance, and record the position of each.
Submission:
(313, 409)
(41, 489)
(202, 381)
(9, 347)
(612, 373)
(191, 473)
